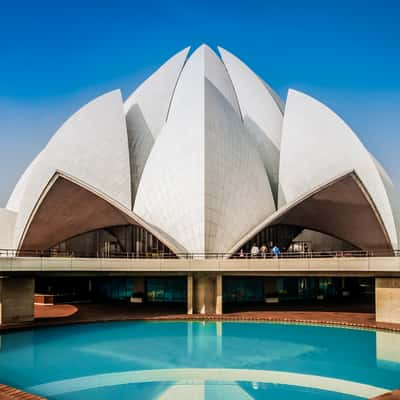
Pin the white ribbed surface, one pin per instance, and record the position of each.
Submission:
(91, 146)
(394, 198)
(7, 226)
(17, 195)
(318, 146)
(171, 192)
(204, 153)
(146, 111)
(261, 111)
(213, 184)
(237, 191)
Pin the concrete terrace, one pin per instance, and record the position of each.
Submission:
(358, 265)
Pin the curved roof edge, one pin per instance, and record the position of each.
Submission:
(15, 199)
(146, 111)
(8, 220)
(201, 199)
(228, 57)
(290, 206)
(91, 145)
(262, 114)
(392, 193)
(318, 145)
(164, 238)
(154, 95)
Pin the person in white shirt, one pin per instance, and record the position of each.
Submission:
(254, 250)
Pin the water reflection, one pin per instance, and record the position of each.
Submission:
(186, 380)
(388, 350)
(98, 350)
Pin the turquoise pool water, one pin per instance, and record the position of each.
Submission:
(196, 360)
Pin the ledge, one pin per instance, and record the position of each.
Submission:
(65, 314)
(10, 393)
(395, 395)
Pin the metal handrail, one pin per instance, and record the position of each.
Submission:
(12, 253)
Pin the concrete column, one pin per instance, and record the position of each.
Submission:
(189, 290)
(204, 293)
(387, 300)
(139, 285)
(207, 293)
(218, 305)
(269, 286)
(16, 299)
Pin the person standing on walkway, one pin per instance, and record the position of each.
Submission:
(276, 251)
(263, 251)
(254, 250)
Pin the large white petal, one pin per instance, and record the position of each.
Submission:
(91, 146)
(262, 113)
(317, 146)
(204, 182)
(147, 110)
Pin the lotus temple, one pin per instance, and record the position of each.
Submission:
(203, 188)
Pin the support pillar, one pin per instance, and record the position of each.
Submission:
(139, 285)
(387, 300)
(189, 290)
(270, 290)
(16, 299)
(270, 287)
(218, 305)
(207, 293)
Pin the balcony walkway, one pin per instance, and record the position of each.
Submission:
(287, 264)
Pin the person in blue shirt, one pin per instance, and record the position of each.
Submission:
(276, 251)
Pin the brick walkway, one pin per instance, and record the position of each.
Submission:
(395, 395)
(10, 393)
(355, 315)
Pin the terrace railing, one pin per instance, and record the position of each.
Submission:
(237, 255)
(287, 262)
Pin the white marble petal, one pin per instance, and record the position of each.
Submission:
(7, 224)
(262, 113)
(394, 198)
(317, 146)
(17, 195)
(146, 111)
(204, 182)
(202, 153)
(91, 146)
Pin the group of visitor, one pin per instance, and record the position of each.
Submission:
(262, 252)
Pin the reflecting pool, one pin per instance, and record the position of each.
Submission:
(198, 360)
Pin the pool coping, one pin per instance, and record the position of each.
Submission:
(393, 395)
(11, 327)
(11, 393)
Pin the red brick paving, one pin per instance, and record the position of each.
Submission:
(355, 315)
(10, 393)
(395, 395)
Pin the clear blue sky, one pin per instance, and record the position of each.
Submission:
(56, 56)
